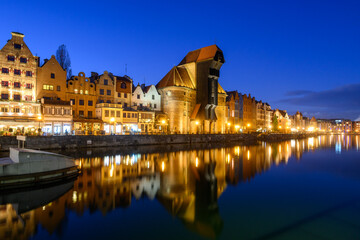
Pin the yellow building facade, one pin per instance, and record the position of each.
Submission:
(82, 95)
(19, 111)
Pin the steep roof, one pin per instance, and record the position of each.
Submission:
(283, 112)
(124, 78)
(209, 52)
(177, 76)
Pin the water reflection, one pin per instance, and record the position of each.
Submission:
(186, 183)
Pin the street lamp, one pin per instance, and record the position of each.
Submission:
(163, 125)
(39, 118)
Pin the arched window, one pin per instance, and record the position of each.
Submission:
(123, 85)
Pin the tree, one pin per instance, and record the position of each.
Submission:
(275, 123)
(63, 57)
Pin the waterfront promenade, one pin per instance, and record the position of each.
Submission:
(90, 141)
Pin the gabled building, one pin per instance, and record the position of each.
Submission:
(233, 118)
(268, 116)
(105, 87)
(248, 113)
(82, 95)
(51, 90)
(284, 121)
(146, 96)
(191, 94)
(124, 90)
(19, 111)
(260, 116)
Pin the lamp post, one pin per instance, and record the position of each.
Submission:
(39, 129)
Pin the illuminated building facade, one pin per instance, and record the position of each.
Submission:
(233, 118)
(124, 90)
(248, 113)
(146, 96)
(111, 116)
(51, 91)
(19, 111)
(191, 95)
(284, 121)
(356, 127)
(82, 95)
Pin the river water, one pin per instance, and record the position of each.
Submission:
(298, 189)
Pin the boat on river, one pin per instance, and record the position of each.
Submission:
(28, 167)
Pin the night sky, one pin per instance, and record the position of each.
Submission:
(295, 55)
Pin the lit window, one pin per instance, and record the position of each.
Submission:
(75, 90)
(48, 87)
(81, 91)
(86, 92)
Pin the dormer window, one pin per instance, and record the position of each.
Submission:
(17, 46)
(23, 60)
(11, 58)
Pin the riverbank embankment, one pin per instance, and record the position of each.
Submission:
(73, 142)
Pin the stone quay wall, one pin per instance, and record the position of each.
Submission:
(73, 142)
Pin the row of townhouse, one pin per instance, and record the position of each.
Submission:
(188, 99)
(38, 97)
(246, 114)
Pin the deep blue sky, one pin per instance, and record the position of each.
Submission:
(296, 55)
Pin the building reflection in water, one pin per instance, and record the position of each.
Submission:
(187, 184)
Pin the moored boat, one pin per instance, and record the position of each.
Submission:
(27, 167)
